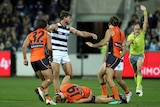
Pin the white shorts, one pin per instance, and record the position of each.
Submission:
(119, 67)
(60, 57)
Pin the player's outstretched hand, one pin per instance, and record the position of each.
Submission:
(94, 36)
(25, 62)
(89, 44)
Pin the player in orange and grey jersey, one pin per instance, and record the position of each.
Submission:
(118, 76)
(38, 40)
(115, 38)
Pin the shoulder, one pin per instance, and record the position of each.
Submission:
(52, 26)
(130, 36)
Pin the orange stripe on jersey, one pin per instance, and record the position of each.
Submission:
(38, 40)
(72, 92)
(116, 42)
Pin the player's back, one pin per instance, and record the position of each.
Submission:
(72, 92)
(38, 40)
(116, 42)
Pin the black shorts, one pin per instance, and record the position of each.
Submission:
(112, 61)
(40, 64)
(92, 100)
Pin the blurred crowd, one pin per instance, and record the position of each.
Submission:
(152, 37)
(18, 17)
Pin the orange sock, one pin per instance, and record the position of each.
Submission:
(48, 97)
(104, 88)
(41, 88)
(115, 92)
(127, 91)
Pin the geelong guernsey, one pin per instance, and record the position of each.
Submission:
(60, 38)
(138, 45)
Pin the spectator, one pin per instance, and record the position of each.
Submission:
(2, 36)
(64, 5)
(1, 45)
(133, 20)
(39, 6)
(6, 7)
(4, 22)
(52, 10)
(21, 7)
(153, 45)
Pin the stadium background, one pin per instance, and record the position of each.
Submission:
(18, 18)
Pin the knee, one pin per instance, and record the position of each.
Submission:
(98, 75)
(50, 81)
(69, 75)
(118, 80)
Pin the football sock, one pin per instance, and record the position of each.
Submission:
(115, 92)
(139, 81)
(104, 88)
(41, 88)
(135, 78)
(126, 91)
(48, 97)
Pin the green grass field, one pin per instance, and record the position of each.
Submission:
(19, 92)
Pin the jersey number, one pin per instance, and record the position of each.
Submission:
(37, 36)
(74, 90)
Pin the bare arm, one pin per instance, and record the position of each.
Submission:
(145, 24)
(49, 46)
(52, 27)
(84, 100)
(106, 39)
(123, 49)
(24, 50)
(82, 33)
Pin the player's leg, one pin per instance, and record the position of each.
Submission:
(67, 68)
(40, 90)
(102, 79)
(122, 83)
(56, 81)
(109, 76)
(66, 80)
(103, 99)
(49, 78)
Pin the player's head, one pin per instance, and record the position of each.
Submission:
(66, 16)
(41, 23)
(114, 21)
(59, 99)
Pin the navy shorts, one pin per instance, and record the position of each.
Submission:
(40, 64)
(112, 61)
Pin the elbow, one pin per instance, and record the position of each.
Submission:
(50, 48)
(23, 47)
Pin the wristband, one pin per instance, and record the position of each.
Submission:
(145, 13)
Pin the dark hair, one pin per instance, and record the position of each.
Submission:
(41, 23)
(114, 21)
(64, 14)
(138, 23)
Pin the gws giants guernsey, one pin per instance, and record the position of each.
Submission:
(60, 38)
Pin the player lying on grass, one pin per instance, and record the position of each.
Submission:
(73, 93)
